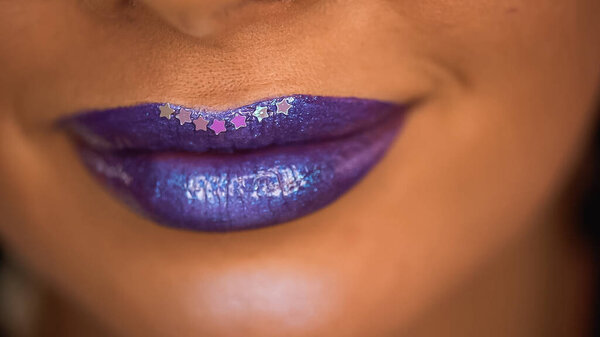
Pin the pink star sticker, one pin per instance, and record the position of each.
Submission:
(184, 116)
(238, 121)
(200, 124)
(283, 107)
(218, 126)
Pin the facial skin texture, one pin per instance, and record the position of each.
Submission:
(450, 231)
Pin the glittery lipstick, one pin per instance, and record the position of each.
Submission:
(257, 165)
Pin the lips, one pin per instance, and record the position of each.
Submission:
(258, 165)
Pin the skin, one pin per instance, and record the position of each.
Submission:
(453, 232)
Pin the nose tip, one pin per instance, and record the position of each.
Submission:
(192, 17)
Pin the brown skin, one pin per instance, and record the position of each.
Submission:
(449, 235)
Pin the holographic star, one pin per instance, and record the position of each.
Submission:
(238, 121)
(218, 126)
(184, 116)
(200, 124)
(166, 111)
(283, 107)
(261, 113)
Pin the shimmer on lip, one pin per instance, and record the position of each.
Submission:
(258, 165)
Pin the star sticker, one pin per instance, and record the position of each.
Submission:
(283, 107)
(218, 126)
(261, 113)
(166, 111)
(200, 124)
(184, 116)
(238, 121)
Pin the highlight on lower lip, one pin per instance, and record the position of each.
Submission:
(258, 165)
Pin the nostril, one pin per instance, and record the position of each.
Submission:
(108, 7)
(197, 25)
(192, 17)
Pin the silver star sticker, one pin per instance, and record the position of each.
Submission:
(283, 107)
(166, 111)
(261, 113)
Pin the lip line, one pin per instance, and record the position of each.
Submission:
(395, 120)
(287, 166)
(341, 138)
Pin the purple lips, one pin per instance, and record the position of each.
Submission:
(261, 164)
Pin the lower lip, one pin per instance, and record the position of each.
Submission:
(220, 192)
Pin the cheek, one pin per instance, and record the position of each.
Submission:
(504, 137)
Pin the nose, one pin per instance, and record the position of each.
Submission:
(193, 17)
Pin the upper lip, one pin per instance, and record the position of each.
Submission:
(111, 129)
